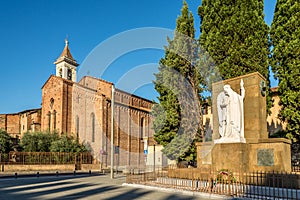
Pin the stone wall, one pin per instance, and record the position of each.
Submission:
(17, 168)
(13, 124)
(19, 123)
(30, 121)
(86, 167)
(3, 121)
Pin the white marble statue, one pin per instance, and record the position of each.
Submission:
(231, 115)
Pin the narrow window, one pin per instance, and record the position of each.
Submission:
(51, 103)
(142, 128)
(49, 120)
(54, 120)
(77, 127)
(93, 126)
(69, 74)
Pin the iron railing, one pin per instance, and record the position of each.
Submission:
(46, 158)
(256, 185)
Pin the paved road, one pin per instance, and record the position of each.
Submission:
(99, 187)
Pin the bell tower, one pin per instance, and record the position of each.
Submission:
(66, 65)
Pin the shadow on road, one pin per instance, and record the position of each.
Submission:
(78, 187)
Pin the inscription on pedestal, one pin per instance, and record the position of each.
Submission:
(265, 157)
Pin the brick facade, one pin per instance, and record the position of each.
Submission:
(17, 124)
(57, 105)
(84, 110)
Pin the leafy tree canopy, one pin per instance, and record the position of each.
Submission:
(38, 141)
(67, 144)
(50, 142)
(6, 144)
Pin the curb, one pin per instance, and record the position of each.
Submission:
(184, 192)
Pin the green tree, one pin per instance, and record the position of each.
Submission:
(235, 35)
(50, 142)
(6, 144)
(285, 62)
(38, 141)
(67, 144)
(177, 123)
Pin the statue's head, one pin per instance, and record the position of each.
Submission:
(227, 89)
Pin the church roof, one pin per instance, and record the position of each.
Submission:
(66, 55)
(66, 52)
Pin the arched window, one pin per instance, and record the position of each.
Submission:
(51, 103)
(93, 126)
(69, 74)
(77, 127)
(60, 72)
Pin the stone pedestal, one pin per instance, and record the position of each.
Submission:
(268, 155)
(232, 156)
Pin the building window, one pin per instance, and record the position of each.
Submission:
(77, 127)
(51, 103)
(54, 120)
(60, 72)
(69, 74)
(93, 126)
(142, 128)
(49, 120)
(78, 98)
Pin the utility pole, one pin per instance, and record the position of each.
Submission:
(112, 132)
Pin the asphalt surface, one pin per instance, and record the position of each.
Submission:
(81, 186)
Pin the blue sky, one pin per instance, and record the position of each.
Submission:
(33, 32)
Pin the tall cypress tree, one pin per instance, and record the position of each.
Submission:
(177, 123)
(235, 35)
(285, 62)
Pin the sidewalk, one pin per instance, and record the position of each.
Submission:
(19, 174)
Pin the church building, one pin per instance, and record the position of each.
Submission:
(83, 109)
